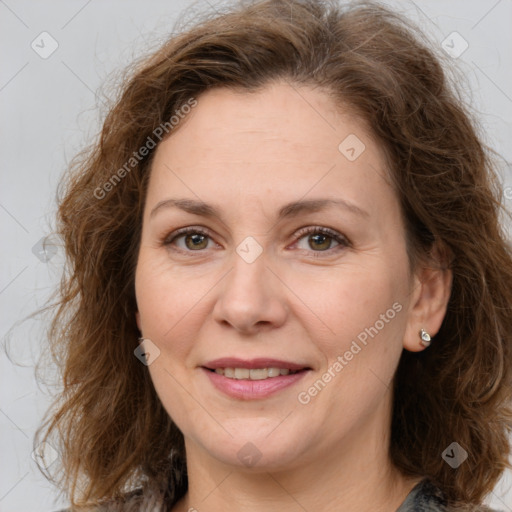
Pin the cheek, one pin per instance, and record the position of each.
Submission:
(162, 300)
(367, 314)
(365, 306)
(165, 305)
(173, 306)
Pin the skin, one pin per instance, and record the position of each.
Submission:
(249, 154)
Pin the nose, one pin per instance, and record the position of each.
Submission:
(251, 298)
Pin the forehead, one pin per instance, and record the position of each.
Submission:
(290, 139)
(278, 116)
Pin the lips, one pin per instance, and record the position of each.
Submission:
(255, 378)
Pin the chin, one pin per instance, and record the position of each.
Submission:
(255, 451)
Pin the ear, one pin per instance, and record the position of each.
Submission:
(431, 289)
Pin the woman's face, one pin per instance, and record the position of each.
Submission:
(273, 244)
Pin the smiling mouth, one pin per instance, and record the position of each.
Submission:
(254, 373)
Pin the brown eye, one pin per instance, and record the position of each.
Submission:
(320, 239)
(188, 240)
(196, 241)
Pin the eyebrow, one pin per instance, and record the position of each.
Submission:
(289, 210)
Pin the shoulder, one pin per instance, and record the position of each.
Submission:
(427, 497)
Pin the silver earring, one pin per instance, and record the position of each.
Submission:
(425, 338)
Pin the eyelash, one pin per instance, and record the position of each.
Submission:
(340, 239)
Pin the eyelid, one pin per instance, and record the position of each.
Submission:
(298, 235)
(183, 231)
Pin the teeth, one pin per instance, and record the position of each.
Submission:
(229, 372)
(258, 374)
(242, 373)
(273, 372)
(252, 374)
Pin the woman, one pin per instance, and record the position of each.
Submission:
(286, 207)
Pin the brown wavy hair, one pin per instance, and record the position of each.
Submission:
(112, 431)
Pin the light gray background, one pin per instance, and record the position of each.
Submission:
(49, 109)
